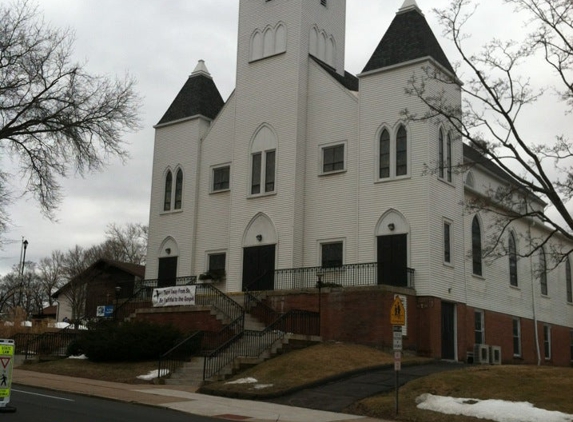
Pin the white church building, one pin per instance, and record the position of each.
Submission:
(307, 171)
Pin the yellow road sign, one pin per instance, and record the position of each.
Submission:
(397, 313)
(6, 365)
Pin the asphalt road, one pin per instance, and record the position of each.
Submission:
(37, 405)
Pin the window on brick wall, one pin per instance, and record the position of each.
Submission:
(516, 337)
(479, 329)
(547, 341)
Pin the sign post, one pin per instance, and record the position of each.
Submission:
(398, 320)
(6, 365)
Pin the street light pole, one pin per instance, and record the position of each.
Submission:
(25, 244)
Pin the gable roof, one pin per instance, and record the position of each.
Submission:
(349, 81)
(132, 269)
(409, 37)
(199, 96)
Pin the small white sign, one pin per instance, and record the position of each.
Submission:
(397, 365)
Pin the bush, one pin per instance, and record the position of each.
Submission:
(128, 341)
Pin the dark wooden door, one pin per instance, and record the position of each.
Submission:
(393, 260)
(259, 267)
(448, 331)
(167, 272)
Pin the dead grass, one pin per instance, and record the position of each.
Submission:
(545, 387)
(125, 372)
(309, 365)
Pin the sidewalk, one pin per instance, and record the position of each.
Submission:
(183, 399)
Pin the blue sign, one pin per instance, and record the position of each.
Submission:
(105, 311)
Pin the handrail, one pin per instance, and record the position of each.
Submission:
(213, 362)
(214, 297)
(249, 286)
(170, 361)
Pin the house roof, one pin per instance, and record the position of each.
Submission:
(133, 269)
(349, 81)
(409, 37)
(472, 155)
(199, 96)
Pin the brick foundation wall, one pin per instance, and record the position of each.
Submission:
(186, 318)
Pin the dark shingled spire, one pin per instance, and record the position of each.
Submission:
(199, 96)
(409, 37)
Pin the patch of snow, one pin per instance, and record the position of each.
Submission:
(151, 375)
(495, 410)
(243, 381)
(26, 323)
(62, 325)
(261, 386)
(78, 357)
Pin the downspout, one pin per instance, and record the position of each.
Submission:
(536, 330)
(196, 204)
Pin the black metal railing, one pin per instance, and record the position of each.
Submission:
(46, 344)
(223, 355)
(174, 358)
(209, 295)
(253, 343)
(259, 309)
(367, 274)
(143, 295)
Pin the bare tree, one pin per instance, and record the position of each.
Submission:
(22, 290)
(496, 90)
(55, 117)
(127, 243)
(51, 274)
(75, 262)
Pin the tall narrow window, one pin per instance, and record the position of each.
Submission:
(331, 254)
(512, 250)
(447, 242)
(441, 154)
(384, 154)
(479, 330)
(168, 188)
(449, 156)
(543, 272)
(270, 171)
(178, 189)
(256, 176)
(476, 247)
(401, 152)
(568, 286)
(516, 337)
(571, 345)
(547, 341)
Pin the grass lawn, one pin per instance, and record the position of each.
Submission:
(125, 372)
(545, 387)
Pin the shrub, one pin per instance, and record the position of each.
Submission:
(128, 341)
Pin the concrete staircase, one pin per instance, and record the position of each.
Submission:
(190, 374)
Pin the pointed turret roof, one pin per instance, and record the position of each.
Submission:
(409, 37)
(199, 96)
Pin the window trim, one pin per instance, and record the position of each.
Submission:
(322, 151)
(321, 244)
(212, 179)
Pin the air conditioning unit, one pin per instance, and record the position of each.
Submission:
(495, 355)
(481, 354)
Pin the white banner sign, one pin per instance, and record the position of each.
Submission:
(174, 296)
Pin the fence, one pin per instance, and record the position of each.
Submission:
(368, 274)
(46, 344)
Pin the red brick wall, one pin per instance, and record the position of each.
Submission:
(187, 319)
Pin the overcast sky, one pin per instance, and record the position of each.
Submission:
(159, 42)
